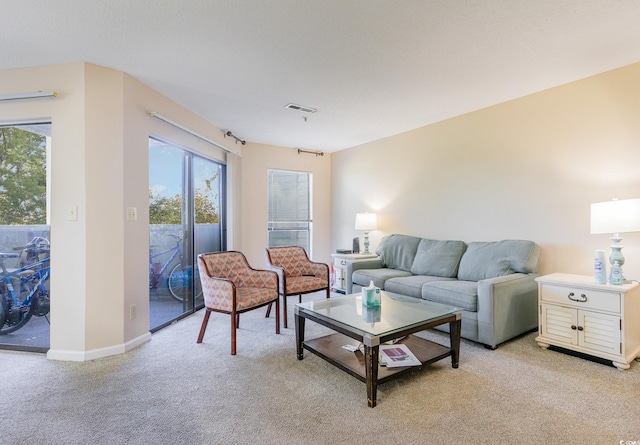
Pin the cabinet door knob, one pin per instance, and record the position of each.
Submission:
(574, 327)
(580, 328)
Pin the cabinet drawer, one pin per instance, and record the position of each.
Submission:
(589, 299)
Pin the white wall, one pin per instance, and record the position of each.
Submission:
(99, 164)
(525, 169)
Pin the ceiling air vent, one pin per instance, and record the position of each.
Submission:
(300, 108)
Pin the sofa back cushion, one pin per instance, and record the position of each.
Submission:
(398, 251)
(438, 258)
(484, 260)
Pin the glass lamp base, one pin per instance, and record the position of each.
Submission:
(616, 257)
(366, 244)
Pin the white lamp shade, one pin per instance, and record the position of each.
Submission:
(617, 216)
(366, 221)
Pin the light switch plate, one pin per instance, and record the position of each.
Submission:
(72, 213)
(132, 214)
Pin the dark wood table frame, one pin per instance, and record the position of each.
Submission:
(365, 367)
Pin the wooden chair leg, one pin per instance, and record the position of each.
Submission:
(268, 311)
(328, 292)
(233, 332)
(277, 315)
(203, 328)
(284, 310)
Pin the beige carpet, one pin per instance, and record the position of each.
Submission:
(173, 391)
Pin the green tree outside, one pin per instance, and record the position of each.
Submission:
(23, 177)
(168, 210)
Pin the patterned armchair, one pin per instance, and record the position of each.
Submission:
(298, 275)
(231, 286)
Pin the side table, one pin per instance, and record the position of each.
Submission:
(602, 320)
(339, 264)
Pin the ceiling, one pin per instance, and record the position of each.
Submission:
(371, 68)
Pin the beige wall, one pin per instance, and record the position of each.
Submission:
(256, 160)
(99, 164)
(525, 169)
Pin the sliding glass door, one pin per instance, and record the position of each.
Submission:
(25, 153)
(186, 216)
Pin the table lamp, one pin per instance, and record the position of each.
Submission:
(617, 216)
(366, 222)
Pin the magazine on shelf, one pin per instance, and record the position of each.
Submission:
(398, 355)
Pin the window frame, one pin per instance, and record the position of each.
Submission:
(289, 219)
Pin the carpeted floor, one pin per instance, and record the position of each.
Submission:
(173, 391)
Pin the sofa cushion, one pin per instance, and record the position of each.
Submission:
(484, 260)
(398, 251)
(462, 294)
(378, 276)
(411, 286)
(438, 258)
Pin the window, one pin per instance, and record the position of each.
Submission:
(289, 216)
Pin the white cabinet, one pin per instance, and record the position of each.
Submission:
(339, 263)
(602, 320)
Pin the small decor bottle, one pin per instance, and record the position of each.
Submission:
(600, 267)
(616, 274)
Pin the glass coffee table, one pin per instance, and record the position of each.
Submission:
(395, 320)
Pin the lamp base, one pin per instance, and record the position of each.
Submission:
(366, 244)
(616, 256)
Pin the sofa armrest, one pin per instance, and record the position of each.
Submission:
(507, 307)
(373, 263)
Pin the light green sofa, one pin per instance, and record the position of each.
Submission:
(493, 282)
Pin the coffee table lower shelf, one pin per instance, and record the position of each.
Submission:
(330, 349)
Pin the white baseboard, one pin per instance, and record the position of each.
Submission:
(83, 356)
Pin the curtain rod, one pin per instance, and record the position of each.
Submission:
(228, 133)
(191, 132)
(317, 153)
(34, 95)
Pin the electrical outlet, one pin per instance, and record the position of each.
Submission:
(132, 311)
(132, 214)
